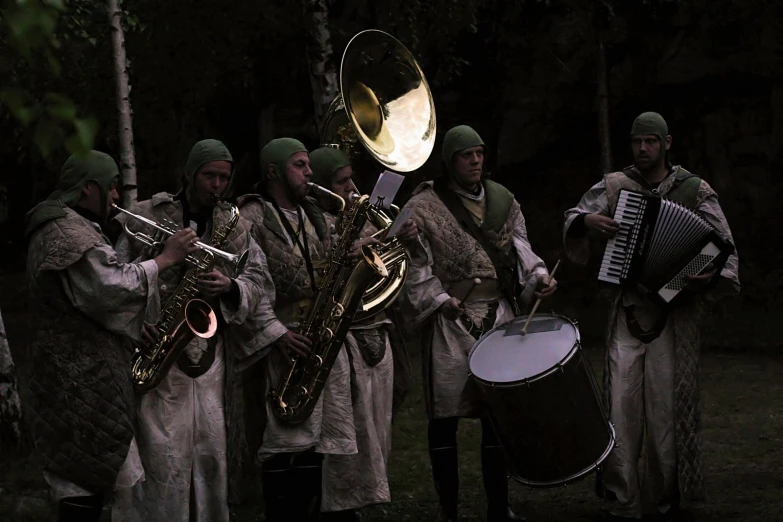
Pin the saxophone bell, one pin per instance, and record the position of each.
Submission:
(201, 318)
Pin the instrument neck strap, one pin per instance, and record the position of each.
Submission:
(504, 265)
(303, 246)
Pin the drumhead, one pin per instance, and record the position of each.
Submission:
(502, 355)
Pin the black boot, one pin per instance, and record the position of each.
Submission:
(445, 473)
(276, 483)
(307, 480)
(493, 470)
(80, 509)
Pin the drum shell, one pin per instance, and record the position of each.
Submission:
(552, 426)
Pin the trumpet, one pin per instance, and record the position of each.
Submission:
(236, 261)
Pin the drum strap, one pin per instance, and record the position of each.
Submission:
(504, 264)
(645, 336)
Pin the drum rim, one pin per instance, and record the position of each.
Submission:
(578, 475)
(546, 373)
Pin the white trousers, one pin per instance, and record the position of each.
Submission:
(182, 440)
(641, 387)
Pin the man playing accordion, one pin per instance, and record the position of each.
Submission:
(652, 351)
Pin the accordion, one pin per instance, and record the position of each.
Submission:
(660, 242)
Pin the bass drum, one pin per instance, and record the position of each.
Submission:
(542, 399)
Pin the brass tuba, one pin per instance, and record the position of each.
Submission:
(385, 107)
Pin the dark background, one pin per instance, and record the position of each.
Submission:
(523, 73)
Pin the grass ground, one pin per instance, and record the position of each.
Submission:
(742, 408)
(742, 421)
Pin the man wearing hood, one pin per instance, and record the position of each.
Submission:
(190, 427)
(353, 481)
(297, 237)
(88, 306)
(471, 228)
(650, 383)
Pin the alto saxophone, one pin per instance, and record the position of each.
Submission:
(338, 298)
(184, 317)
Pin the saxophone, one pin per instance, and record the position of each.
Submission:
(184, 317)
(339, 296)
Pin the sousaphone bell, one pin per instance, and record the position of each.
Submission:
(385, 107)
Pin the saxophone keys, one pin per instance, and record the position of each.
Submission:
(318, 361)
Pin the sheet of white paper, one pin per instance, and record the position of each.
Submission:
(386, 188)
(397, 224)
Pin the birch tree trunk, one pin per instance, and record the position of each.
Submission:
(10, 405)
(124, 111)
(604, 134)
(320, 57)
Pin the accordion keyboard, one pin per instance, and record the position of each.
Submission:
(660, 243)
(619, 249)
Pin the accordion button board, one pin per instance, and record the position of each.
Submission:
(659, 244)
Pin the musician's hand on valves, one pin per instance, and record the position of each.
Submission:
(293, 343)
(176, 248)
(546, 286)
(356, 249)
(213, 283)
(408, 231)
(451, 308)
(602, 226)
(695, 282)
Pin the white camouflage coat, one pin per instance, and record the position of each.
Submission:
(190, 430)
(355, 481)
(330, 427)
(116, 295)
(653, 384)
(445, 265)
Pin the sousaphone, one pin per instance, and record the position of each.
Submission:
(385, 107)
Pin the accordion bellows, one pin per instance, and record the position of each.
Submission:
(660, 242)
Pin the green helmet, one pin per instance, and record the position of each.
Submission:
(324, 162)
(459, 138)
(650, 123)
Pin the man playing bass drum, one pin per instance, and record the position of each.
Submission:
(471, 228)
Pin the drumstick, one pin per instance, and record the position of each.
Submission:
(538, 302)
(476, 282)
